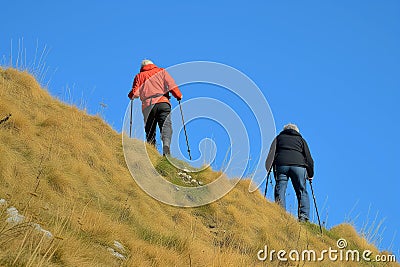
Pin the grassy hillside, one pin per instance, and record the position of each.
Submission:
(77, 205)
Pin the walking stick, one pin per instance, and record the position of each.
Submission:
(315, 204)
(130, 123)
(266, 184)
(184, 128)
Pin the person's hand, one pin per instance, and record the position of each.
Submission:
(310, 178)
(130, 95)
(179, 98)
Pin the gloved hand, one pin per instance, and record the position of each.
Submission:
(179, 98)
(130, 95)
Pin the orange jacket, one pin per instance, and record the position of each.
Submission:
(152, 85)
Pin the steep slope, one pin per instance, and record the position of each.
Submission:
(64, 173)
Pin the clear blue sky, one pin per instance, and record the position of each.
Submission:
(332, 67)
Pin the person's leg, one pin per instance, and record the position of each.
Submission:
(281, 180)
(299, 179)
(165, 125)
(150, 123)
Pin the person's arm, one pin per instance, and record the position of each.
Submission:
(134, 93)
(171, 86)
(309, 160)
(271, 156)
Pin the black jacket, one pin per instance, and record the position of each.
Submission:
(289, 148)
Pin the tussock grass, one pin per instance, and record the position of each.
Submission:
(65, 170)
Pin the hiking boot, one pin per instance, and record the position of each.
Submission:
(166, 151)
(303, 220)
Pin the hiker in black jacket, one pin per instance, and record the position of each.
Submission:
(290, 157)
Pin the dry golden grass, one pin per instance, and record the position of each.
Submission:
(65, 170)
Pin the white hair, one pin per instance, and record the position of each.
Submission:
(291, 126)
(146, 62)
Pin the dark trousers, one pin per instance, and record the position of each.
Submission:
(158, 114)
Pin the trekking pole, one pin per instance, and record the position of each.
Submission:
(315, 204)
(184, 128)
(130, 123)
(266, 184)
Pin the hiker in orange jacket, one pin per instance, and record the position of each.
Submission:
(153, 85)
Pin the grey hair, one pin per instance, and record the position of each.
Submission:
(291, 126)
(146, 62)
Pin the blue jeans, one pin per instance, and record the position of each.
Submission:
(298, 176)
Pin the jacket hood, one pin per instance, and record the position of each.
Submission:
(290, 132)
(148, 67)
